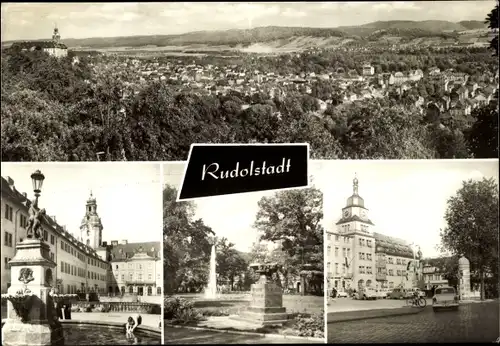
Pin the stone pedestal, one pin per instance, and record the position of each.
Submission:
(32, 272)
(266, 305)
(464, 287)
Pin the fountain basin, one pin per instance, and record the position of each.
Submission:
(105, 333)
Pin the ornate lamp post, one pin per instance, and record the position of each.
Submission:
(37, 179)
(35, 218)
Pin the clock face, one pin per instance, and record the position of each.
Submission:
(346, 213)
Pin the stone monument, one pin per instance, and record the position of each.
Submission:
(266, 305)
(464, 290)
(31, 316)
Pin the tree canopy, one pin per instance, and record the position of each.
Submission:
(472, 226)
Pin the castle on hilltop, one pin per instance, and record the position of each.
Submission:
(53, 47)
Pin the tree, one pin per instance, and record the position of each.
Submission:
(293, 218)
(492, 21)
(472, 226)
(482, 138)
(186, 245)
(230, 263)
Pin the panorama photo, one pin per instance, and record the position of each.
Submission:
(142, 81)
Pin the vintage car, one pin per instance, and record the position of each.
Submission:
(342, 294)
(367, 293)
(445, 297)
(382, 293)
(399, 293)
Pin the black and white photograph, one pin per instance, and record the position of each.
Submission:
(81, 254)
(356, 80)
(412, 250)
(243, 268)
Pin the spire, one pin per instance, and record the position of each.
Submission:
(355, 185)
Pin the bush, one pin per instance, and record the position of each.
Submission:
(214, 313)
(310, 325)
(180, 311)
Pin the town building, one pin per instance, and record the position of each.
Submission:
(358, 257)
(86, 263)
(52, 47)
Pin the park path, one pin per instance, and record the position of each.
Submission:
(174, 336)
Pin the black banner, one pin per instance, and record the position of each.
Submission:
(223, 169)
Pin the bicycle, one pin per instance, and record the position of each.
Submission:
(419, 302)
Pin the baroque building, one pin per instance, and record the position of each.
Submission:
(86, 263)
(357, 257)
(52, 47)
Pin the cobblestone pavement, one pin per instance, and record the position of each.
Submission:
(178, 336)
(471, 323)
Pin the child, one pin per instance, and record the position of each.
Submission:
(132, 323)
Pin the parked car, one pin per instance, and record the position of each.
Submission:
(399, 293)
(421, 293)
(342, 294)
(381, 293)
(445, 297)
(367, 293)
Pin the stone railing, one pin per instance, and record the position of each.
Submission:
(145, 308)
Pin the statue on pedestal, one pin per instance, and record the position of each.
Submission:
(35, 221)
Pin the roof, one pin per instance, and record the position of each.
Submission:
(123, 252)
(392, 246)
(354, 218)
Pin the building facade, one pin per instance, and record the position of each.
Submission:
(357, 257)
(85, 264)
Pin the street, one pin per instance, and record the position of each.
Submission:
(475, 322)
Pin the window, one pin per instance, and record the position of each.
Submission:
(336, 268)
(8, 212)
(52, 239)
(343, 252)
(158, 290)
(368, 242)
(336, 252)
(346, 240)
(329, 249)
(361, 256)
(398, 261)
(23, 222)
(328, 267)
(62, 245)
(360, 242)
(6, 261)
(369, 256)
(369, 270)
(361, 269)
(337, 237)
(150, 276)
(8, 239)
(131, 276)
(117, 266)
(390, 260)
(391, 272)
(399, 272)
(45, 235)
(123, 277)
(343, 268)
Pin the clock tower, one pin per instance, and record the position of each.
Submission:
(91, 226)
(354, 215)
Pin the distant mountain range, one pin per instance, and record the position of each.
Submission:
(288, 37)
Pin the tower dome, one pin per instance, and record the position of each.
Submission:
(463, 261)
(355, 200)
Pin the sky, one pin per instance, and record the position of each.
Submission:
(24, 21)
(230, 216)
(406, 199)
(129, 199)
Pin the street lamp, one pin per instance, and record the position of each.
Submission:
(37, 179)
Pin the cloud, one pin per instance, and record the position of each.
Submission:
(289, 12)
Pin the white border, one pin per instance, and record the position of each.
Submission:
(162, 242)
(186, 163)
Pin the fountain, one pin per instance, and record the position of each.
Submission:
(211, 289)
(266, 305)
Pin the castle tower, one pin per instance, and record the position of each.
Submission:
(56, 37)
(91, 226)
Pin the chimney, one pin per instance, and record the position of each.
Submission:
(124, 242)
